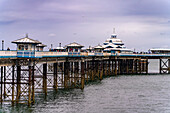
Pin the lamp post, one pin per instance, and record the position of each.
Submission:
(2, 44)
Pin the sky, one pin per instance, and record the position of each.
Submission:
(140, 24)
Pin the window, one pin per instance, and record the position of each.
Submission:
(19, 47)
(26, 47)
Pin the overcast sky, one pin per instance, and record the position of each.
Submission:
(141, 24)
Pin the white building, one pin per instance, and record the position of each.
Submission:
(74, 47)
(40, 47)
(27, 44)
(113, 44)
(99, 48)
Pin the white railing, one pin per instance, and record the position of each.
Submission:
(107, 54)
(91, 54)
(50, 54)
(40, 54)
(4, 54)
(26, 54)
(83, 54)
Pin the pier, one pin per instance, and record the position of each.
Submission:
(24, 74)
(28, 71)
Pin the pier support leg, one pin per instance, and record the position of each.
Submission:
(4, 81)
(87, 72)
(160, 66)
(18, 83)
(1, 83)
(101, 70)
(82, 75)
(13, 72)
(112, 67)
(66, 72)
(168, 66)
(55, 76)
(33, 80)
(45, 78)
(29, 86)
(109, 67)
(147, 63)
(116, 66)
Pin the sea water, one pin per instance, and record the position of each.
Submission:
(121, 94)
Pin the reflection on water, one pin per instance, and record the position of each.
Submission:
(122, 94)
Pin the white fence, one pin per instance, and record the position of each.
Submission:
(40, 54)
(8, 54)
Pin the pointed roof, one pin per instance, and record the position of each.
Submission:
(98, 47)
(74, 44)
(59, 48)
(26, 40)
(90, 48)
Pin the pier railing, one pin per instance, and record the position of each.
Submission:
(40, 54)
(25, 54)
(8, 54)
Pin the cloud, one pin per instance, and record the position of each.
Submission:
(7, 22)
(137, 22)
(52, 35)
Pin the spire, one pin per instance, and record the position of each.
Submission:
(114, 31)
(114, 34)
(26, 35)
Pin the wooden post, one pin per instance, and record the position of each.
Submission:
(101, 70)
(13, 69)
(55, 76)
(1, 83)
(109, 67)
(66, 69)
(29, 87)
(87, 71)
(160, 66)
(82, 75)
(116, 65)
(168, 66)
(33, 79)
(140, 66)
(147, 66)
(75, 72)
(112, 67)
(98, 68)
(18, 83)
(4, 81)
(72, 71)
(105, 68)
(62, 72)
(127, 66)
(136, 66)
(45, 78)
(119, 66)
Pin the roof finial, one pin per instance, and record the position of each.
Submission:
(26, 35)
(113, 30)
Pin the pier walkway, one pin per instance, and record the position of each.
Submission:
(44, 54)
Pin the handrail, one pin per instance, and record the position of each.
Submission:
(40, 54)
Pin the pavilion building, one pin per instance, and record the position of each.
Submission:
(73, 47)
